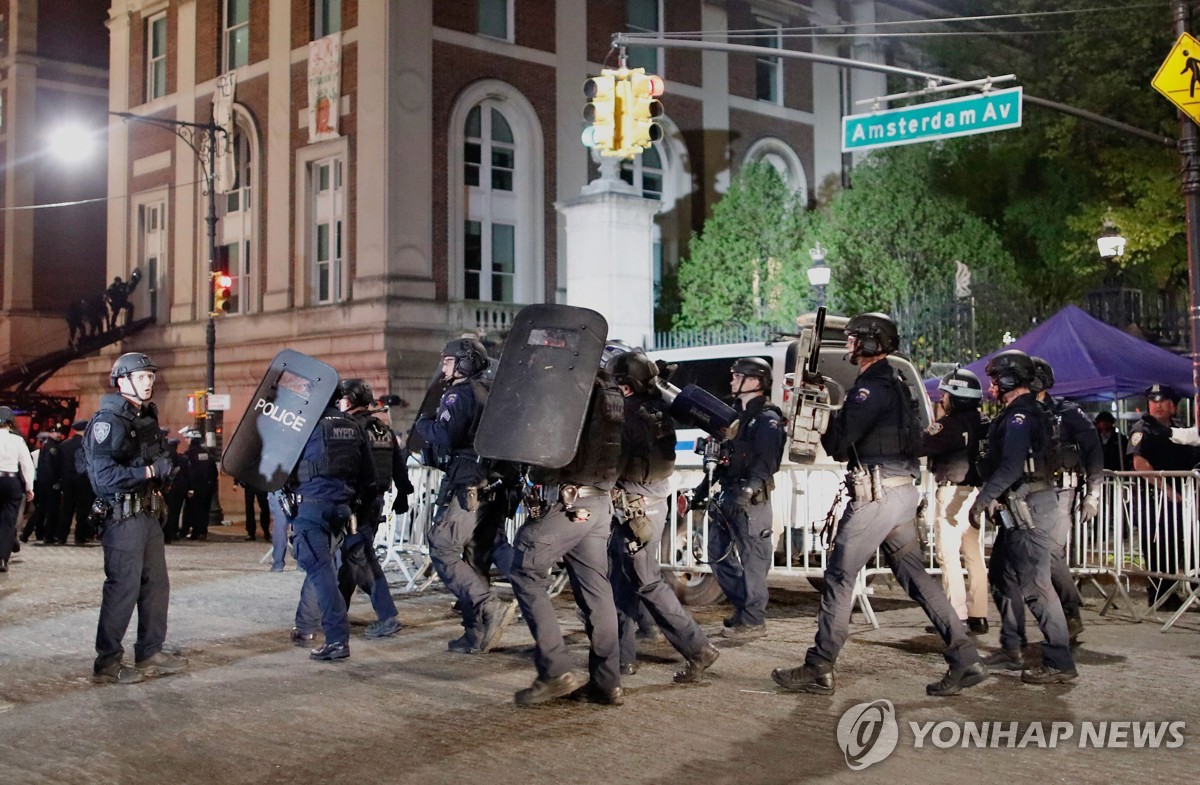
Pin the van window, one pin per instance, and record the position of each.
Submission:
(711, 375)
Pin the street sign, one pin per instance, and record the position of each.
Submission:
(1178, 78)
(218, 402)
(996, 110)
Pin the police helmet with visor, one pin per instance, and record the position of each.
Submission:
(633, 369)
(753, 368)
(357, 393)
(1011, 369)
(470, 356)
(129, 363)
(875, 334)
(962, 387)
(1043, 375)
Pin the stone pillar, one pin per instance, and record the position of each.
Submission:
(609, 255)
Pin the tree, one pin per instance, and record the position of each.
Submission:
(747, 265)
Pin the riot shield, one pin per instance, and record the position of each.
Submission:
(539, 400)
(282, 415)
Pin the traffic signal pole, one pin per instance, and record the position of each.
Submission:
(1189, 186)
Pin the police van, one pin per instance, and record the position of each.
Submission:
(806, 490)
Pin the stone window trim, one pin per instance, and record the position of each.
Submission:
(304, 293)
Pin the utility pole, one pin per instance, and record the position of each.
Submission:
(1189, 185)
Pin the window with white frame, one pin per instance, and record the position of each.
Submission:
(490, 225)
(236, 228)
(768, 69)
(494, 18)
(328, 221)
(152, 249)
(644, 16)
(156, 56)
(327, 17)
(645, 172)
(237, 33)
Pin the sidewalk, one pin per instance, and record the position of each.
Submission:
(254, 708)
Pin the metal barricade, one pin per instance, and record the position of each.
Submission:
(1151, 519)
(400, 540)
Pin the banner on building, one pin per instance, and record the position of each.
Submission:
(324, 87)
(225, 176)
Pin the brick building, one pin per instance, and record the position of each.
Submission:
(393, 165)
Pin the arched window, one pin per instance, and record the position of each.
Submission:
(496, 219)
(237, 211)
(783, 159)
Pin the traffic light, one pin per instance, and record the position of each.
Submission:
(601, 113)
(222, 282)
(639, 110)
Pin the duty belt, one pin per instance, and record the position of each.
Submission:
(569, 492)
(896, 482)
(9, 474)
(1034, 486)
(126, 505)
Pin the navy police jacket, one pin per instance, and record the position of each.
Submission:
(335, 464)
(118, 441)
(873, 426)
(756, 450)
(1012, 439)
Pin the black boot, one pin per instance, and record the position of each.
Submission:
(816, 679)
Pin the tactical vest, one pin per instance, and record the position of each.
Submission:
(653, 420)
(340, 437)
(900, 438)
(142, 430)
(1042, 462)
(598, 457)
(1068, 457)
(382, 443)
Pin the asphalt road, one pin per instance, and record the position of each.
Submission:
(255, 709)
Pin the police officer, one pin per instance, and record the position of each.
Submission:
(177, 491)
(574, 526)
(1020, 496)
(127, 459)
(16, 482)
(202, 484)
(878, 434)
(472, 507)
(1152, 450)
(47, 489)
(334, 474)
(360, 566)
(952, 444)
(1079, 453)
(739, 531)
(77, 496)
(642, 494)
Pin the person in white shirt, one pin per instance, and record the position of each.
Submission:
(16, 482)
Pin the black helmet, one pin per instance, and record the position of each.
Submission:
(1043, 375)
(6, 415)
(128, 363)
(1011, 369)
(634, 369)
(470, 354)
(754, 367)
(357, 392)
(612, 350)
(963, 386)
(876, 334)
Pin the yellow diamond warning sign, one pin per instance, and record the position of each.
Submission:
(1179, 76)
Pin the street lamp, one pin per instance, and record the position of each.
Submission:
(818, 273)
(1110, 242)
(205, 149)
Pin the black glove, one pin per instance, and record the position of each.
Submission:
(400, 505)
(982, 510)
(1090, 507)
(699, 498)
(161, 467)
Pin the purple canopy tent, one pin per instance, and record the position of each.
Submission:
(1093, 361)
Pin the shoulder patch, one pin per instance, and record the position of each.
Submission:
(100, 432)
(1018, 419)
(1135, 438)
(861, 395)
(450, 399)
(445, 415)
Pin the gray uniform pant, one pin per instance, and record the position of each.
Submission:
(583, 545)
(453, 531)
(865, 526)
(135, 576)
(637, 579)
(1060, 568)
(742, 571)
(1020, 575)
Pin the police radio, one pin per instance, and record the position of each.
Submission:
(812, 397)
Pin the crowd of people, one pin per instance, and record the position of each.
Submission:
(90, 316)
(1029, 471)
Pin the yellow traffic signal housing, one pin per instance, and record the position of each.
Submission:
(222, 284)
(639, 111)
(601, 112)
